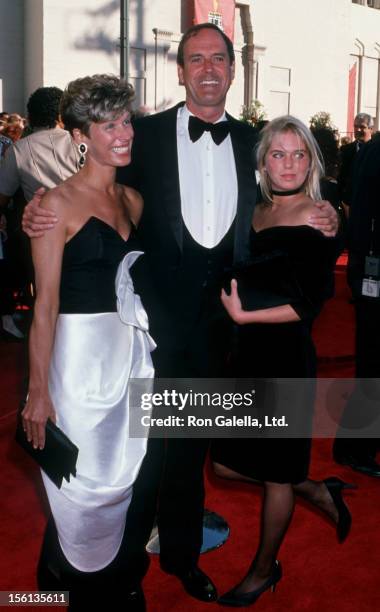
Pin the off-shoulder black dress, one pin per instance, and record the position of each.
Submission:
(284, 350)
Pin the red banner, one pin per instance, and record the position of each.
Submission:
(220, 12)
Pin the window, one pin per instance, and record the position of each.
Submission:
(370, 3)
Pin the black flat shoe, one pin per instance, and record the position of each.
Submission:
(239, 600)
(335, 487)
(197, 584)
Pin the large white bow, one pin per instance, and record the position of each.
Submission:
(129, 305)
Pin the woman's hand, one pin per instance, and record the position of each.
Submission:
(232, 303)
(37, 411)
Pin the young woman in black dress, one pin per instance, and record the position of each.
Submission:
(276, 342)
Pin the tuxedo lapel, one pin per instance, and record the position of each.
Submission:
(243, 142)
(170, 175)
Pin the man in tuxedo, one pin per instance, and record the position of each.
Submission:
(362, 408)
(199, 189)
(194, 166)
(363, 128)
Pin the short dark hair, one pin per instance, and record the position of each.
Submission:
(43, 107)
(92, 99)
(193, 31)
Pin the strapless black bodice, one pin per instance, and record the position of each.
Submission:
(89, 266)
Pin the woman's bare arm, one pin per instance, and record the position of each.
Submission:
(47, 254)
(276, 314)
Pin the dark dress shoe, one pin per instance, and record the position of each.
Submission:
(365, 465)
(239, 600)
(335, 487)
(197, 584)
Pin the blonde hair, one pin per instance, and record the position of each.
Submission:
(287, 123)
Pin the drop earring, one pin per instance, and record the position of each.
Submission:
(82, 150)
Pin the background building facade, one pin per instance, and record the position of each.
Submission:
(309, 55)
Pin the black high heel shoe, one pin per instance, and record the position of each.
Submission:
(335, 487)
(240, 600)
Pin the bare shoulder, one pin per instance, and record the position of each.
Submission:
(133, 203)
(60, 200)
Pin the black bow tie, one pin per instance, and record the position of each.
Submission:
(218, 131)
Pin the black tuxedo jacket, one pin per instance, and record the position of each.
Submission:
(347, 159)
(154, 173)
(365, 207)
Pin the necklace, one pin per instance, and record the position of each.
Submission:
(287, 193)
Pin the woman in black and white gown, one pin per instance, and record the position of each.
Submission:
(88, 339)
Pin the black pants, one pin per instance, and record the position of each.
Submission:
(363, 407)
(181, 494)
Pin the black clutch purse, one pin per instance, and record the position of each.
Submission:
(59, 456)
(265, 281)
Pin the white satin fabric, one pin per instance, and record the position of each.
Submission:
(94, 357)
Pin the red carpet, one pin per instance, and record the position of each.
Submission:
(319, 573)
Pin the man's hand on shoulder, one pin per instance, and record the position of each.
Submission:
(325, 218)
(36, 220)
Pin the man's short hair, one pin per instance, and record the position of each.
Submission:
(43, 107)
(193, 31)
(368, 119)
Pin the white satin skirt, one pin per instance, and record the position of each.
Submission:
(94, 357)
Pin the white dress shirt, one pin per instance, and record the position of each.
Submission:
(208, 183)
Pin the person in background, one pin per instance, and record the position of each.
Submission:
(15, 126)
(363, 128)
(4, 140)
(46, 157)
(43, 159)
(362, 408)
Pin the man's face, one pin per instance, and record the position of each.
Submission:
(207, 73)
(362, 132)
